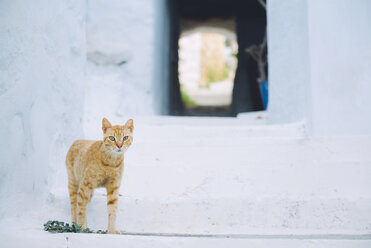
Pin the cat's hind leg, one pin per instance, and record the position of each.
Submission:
(84, 194)
(72, 188)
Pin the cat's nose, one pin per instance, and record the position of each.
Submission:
(119, 145)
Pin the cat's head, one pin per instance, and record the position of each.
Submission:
(117, 138)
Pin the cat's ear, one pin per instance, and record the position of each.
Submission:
(130, 124)
(105, 125)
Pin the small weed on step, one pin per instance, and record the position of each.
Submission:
(54, 226)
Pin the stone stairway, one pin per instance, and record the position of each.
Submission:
(218, 182)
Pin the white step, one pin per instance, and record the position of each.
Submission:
(224, 175)
(41, 240)
(224, 182)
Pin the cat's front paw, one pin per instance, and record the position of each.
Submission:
(113, 231)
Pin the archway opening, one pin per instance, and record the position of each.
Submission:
(206, 68)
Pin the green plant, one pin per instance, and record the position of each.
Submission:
(226, 70)
(260, 53)
(186, 99)
(214, 76)
(211, 75)
(55, 226)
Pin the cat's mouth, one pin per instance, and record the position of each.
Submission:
(120, 150)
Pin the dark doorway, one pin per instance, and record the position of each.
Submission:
(249, 19)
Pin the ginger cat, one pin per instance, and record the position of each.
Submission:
(92, 164)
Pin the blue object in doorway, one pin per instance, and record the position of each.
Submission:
(264, 93)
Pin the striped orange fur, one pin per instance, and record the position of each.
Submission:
(92, 164)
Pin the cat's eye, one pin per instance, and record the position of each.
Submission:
(125, 138)
(111, 138)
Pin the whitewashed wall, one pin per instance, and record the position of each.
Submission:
(161, 58)
(190, 60)
(319, 65)
(289, 68)
(340, 64)
(41, 95)
(120, 31)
